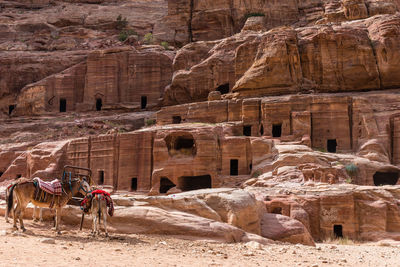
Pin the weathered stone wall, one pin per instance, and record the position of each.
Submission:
(135, 160)
(320, 118)
(330, 120)
(239, 149)
(172, 162)
(115, 77)
(364, 213)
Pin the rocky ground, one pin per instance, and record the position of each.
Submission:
(39, 246)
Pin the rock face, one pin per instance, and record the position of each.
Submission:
(285, 229)
(45, 160)
(270, 139)
(301, 53)
(105, 80)
(291, 100)
(235, 207)
(364, 213)
(20, 68)
(322, 58)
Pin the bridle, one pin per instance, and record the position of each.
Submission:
(81, 187)
(70, 181)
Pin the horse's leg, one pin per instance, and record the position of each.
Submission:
(6, 213)
(58, 216)
(15, 211)
(34, 214)
(40, 214)
(21, 216)
(94, 223)
(104, 211)
(98, 221)
(94, 211)
(6, 216)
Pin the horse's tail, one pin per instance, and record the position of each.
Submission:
(10, 203)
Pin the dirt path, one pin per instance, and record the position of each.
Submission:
(79, 248)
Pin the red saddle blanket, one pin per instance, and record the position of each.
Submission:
(54, 187)
(87, 201)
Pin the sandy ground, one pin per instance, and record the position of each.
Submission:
(79, 248)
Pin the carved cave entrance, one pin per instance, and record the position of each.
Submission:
(143, 102)
(10, 109)
(262, 130)
(1, 173)
(234, 167)
(338, 231)
(276, 210)
(133, 184)
(331, 145)
(247, 130)
(181, 143)
(63, 105)
(165, 185)
(224, 88)
(18, 176)
(99, 104)
(277, 130)
(187, 183)
(176, 119)
(386, 178)
(101, 178)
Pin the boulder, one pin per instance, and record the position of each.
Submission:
(285, 229)
(233, 206)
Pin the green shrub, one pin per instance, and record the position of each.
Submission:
(351, 169)
(150, 122)
(254, 14)
(165, 45)
(148, 38)
(120, 22)
(123, 35)
(256, 174)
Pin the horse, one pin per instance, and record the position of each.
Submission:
(98, 209)
(24, 192)
(34, 217)
(96, 203)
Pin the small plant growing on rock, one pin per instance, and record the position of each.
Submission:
(351, 169)
(120, 22)
(150, 122)
(123, 35)
(254, 14)
(256, 174)
(148, 38)
(165, 45)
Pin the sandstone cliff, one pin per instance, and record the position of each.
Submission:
(352, 56)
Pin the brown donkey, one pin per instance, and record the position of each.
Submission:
(34, 215)
(98, 209)
(24, 192)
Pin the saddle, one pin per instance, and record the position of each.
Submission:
(47, 191)
(86, 203)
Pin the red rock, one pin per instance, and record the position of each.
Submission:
(282, 228)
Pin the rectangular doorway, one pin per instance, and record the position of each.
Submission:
(63, 105)
(234, 167)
